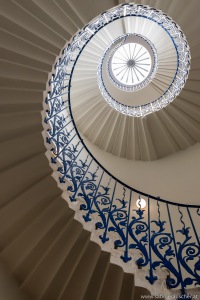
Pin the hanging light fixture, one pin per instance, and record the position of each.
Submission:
(141, 203)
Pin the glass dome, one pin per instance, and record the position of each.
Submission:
(131, 64)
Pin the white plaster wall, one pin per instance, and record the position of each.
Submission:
(175, 178)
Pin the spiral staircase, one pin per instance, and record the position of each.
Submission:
(45, 253)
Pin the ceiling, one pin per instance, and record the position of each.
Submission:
(36, 225)
(159, 134)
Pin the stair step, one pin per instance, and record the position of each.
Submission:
(39, 252)
(98, 277)
(63, 276)
(51, 260)
(83, 273)
(30, 207)
(23, 176)
(113, 283)
(33, 233)
(127, 289)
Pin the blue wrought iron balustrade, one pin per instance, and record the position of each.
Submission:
(163, 240)
(165, 234)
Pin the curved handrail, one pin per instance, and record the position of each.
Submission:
(165, 233)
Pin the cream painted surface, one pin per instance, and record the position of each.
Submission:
(166, 55)
(170, 130)
(175, 177)
(34, 219)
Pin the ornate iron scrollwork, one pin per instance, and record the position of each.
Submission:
(159, 244)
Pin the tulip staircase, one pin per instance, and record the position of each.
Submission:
(47, 251)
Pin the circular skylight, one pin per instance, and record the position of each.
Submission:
(130, 33)
(151, 35)
(131, 64)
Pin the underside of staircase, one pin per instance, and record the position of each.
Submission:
(45, 254)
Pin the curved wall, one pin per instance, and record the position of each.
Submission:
(174, 178)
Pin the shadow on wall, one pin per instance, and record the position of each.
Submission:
(179, 172)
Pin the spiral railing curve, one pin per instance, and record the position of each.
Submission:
(161, 236)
